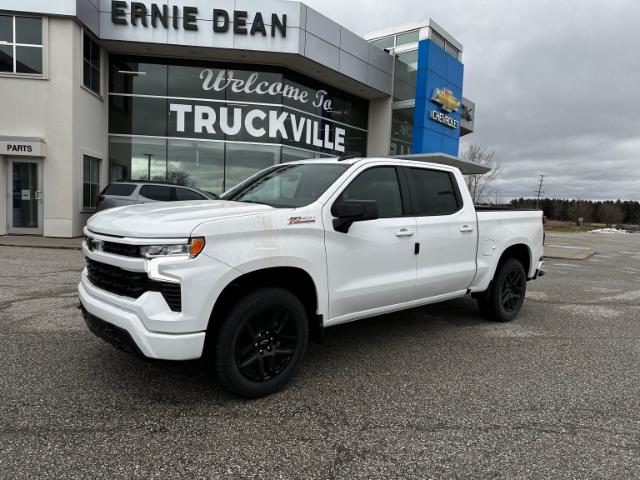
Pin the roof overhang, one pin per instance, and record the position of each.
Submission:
(442, 159)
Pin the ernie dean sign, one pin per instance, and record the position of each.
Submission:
(162, 16)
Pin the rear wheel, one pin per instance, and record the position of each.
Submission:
(261, 342)
(503, 301)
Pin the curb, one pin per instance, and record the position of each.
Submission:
(44, 245)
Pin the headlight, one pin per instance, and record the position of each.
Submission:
(191, 249)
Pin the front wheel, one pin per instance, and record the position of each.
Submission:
(260, 343)
(503, 301)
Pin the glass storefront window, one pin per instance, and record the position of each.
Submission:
(407, 38)
(196, 164)
(210, 126)
(405, 77)
(189, 82)
(437, 39)
(245, 159)
(384, 42)
(401, 131)
(135, 158)
(290, 154)
(138, 78)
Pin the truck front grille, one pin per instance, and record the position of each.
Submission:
(121, 249)
(132, 284)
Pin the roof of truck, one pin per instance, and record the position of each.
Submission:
(434, 158)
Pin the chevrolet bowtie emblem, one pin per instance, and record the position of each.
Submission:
(446, 100)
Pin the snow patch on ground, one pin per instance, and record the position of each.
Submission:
(608, 230)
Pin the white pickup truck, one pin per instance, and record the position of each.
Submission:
(245, 281)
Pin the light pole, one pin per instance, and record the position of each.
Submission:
(148, 155)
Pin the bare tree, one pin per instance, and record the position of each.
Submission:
(580, 209)
(611, 214)
(175, 176)
(482, 186)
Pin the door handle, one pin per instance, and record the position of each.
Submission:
(466, 228)
(404, 232)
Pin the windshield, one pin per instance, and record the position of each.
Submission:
(289, 186)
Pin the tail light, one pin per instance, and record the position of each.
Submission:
(99, 200)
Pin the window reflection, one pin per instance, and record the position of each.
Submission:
(137, 158)
(243, 160)
(406, 72)
(196, 164)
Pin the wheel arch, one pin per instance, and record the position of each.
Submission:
(294, 279)
(519, 251)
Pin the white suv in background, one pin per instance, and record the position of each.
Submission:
(120, 194)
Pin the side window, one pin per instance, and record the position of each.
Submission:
(91, 64)
(159, 193)
(433, 192)
(185, 194)
(90, 181)
(379, 184)
(21, 44)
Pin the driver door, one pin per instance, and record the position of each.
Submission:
(373, 265)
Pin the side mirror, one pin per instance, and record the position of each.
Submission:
(351, 211)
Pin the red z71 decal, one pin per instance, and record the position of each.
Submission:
(299, 220)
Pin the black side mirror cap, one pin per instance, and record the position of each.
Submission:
(351, 211)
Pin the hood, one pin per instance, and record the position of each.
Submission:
(167, 219)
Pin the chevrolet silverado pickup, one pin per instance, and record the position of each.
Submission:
(245, 281)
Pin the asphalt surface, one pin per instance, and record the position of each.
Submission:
(435, 392)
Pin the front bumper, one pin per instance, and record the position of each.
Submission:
(161, 346)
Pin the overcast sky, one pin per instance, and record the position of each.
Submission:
(556, 85)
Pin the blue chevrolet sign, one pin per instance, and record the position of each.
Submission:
(436, 127)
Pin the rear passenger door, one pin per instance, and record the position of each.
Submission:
(446, 232)
(157, 193)
(373, 265)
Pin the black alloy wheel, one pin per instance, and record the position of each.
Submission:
(266, 344)
(512, 291)
(504, 299)
(261, 342)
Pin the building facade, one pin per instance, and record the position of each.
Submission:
(94, 91)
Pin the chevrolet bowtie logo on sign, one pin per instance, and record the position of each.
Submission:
(445, 98)
(448, 103)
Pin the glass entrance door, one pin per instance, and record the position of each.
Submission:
(25, 197)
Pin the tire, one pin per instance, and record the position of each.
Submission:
(504, 299)
(261, 342)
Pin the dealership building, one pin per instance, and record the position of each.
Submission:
(203, 93)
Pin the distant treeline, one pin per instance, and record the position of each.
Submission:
(607, 212)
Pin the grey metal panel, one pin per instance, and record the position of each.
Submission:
(379, 80)
(88, 13)
(322, 52)
(47, 7)
(322, 27)
(353, 67)
(290, 44)
(380, 59)
(353, 44)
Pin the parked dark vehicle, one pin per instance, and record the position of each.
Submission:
(120, 194)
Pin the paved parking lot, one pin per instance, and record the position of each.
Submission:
(435, 392)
